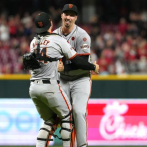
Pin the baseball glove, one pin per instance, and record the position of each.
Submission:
(30, 62)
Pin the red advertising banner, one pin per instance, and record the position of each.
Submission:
(117, 122)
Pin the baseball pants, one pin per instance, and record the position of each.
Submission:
(50, 100)
(79, 92)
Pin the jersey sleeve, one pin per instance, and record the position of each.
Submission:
(67, 49)
(83, 44)
(32, 45)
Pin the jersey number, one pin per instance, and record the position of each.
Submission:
(44, 57)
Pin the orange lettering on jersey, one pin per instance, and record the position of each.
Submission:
(34, 45)
(46, 42)
(84, 46)
(40, 24)
(70, 6)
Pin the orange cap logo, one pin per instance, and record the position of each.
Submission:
(70, 6)
(40, 24)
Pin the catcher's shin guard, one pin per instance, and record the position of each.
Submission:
(54, 127)
(66, 131)
(44, 135)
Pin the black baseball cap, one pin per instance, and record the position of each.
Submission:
(70, 7)
(42, 22)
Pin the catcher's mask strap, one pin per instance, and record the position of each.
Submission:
(38, 48)
(68, 114)
(43, 139)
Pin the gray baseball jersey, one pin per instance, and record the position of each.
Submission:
(77, 83)
(80, 41)
(50, 46)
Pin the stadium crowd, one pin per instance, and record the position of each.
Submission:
(119, 48)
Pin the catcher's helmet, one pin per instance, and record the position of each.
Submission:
(42, 22)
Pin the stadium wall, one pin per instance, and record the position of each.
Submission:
(111, 86)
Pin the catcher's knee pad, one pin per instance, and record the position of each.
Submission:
(66, 130)
(43, 135)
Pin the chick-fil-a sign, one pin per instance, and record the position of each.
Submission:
(117, 122)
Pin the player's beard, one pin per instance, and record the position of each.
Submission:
(67, 23)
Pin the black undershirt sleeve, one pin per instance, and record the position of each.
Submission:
(79, 62)
(69, 67)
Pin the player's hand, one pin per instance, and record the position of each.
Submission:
(96, 71)
(60, 66)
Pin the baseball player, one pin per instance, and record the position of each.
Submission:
(76, 82)
(50, 100)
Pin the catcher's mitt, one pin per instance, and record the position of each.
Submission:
(30, 62)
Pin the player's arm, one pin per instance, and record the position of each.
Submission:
(72, 66)
(80, 63)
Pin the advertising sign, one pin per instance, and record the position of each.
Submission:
(117, 122)
(110, 122)
(19, 122)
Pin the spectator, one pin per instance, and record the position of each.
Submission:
(4, 30)
(119, 48)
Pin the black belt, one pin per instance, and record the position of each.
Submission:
(46, 81)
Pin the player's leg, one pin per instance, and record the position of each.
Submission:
(66, 87)
(47, 129)
(66, 122)
(60, 104)
(49, 117)
(54, 127)
(66, 132)
(45, 134)
(81, 90)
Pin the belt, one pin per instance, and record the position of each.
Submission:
(46, 81)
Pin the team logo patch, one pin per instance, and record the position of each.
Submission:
(84, 46)
(84, 39)
(73, 38)
(70, 6)
(40, 24)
